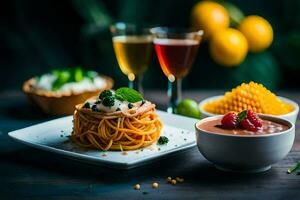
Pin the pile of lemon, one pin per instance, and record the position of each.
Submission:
(229, 33)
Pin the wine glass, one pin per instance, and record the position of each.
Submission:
(176, 50)
(133, 48)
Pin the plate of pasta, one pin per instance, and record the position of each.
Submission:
(118, 129)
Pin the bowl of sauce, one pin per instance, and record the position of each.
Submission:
(239, 150)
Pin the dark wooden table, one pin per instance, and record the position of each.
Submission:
(27, 173)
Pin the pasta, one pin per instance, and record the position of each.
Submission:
(119, 130)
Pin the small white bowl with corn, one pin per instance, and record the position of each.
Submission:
(291, 116)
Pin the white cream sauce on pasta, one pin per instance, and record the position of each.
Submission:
(118, 105)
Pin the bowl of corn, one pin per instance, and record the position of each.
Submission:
(252, 96)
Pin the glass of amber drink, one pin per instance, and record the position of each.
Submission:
(176, 50)
(133, 48)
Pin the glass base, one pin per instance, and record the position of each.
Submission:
(170, 110)
(137, 84)
(174, 94)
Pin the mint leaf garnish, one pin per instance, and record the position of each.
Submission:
(242, 115)
(119, 97)
(128, 94)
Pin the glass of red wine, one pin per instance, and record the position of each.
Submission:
(176, 50)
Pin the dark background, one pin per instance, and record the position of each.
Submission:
(37, 36)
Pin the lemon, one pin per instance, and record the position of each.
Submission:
(228, 47)
(189, 108)
(210, 17)
(258, 31)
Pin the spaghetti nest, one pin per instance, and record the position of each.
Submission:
(129, 130)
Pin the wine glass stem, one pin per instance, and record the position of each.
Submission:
(174, 94)
(137, 84)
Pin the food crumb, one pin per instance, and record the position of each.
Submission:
(124, 153)
(154, 185)
(137, 187)
(104, 155)
(173, 182)
(169, 179)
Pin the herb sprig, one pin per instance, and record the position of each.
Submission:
(294, 168)
(162, 140)
(128, 94)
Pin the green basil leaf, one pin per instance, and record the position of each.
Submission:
(128, 94)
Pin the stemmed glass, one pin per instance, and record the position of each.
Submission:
(133, 49)
(176, 50)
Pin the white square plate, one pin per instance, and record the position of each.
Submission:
(53, 136)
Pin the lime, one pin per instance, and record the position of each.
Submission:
(189, 108)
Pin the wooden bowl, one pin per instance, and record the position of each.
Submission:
(60, 103)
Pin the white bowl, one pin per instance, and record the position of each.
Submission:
(245, 153)
(292, 116)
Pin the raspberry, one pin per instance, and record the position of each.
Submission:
(229, 120)
(254, 119)
(249, 120)
(246, 124)
(246, 119)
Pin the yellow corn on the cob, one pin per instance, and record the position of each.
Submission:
(252, 96)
